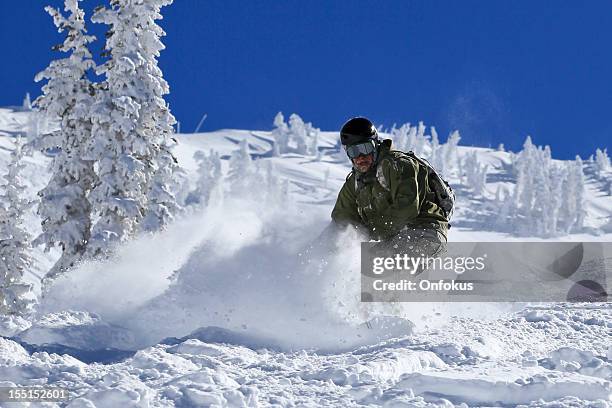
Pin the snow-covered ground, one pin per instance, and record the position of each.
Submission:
(225, 308)
(542, 356)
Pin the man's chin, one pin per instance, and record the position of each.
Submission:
(363, 169)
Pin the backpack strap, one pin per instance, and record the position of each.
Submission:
(348, 176)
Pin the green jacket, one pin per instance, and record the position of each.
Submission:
(403, 198)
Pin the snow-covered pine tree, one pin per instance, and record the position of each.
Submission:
(547, 197)
(436, 155)
(16, 297)
(400, 137)
(299, 134)
(183, 187)
(435, 140)
(217, 193)
(392, 132)
(557, 177)
(443, 157)
(418, 140)
(313, 140)
(542, 188)
(451, 158)
(209, 175)
(132, 124)
(280, 133)
(162, 204)
(413, 138)
(602, 163)
(524, 167)
(475, 173)
(577, 174)
(64, 207)
(27, 102)
(572, 211)
(199, 196)
(410, 138)
(241, 169)
(216, 163)
(156, 118)
(502, 208)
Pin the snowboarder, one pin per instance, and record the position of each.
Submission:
(392, 196)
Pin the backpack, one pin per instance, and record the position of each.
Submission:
(444, 196)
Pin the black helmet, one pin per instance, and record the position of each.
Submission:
(358, 130)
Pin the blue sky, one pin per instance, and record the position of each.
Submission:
(495, 70)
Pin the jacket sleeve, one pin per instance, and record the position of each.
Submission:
(404, 185)
(345, 210)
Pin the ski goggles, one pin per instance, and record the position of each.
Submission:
(361, 149)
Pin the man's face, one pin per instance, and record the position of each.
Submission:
(363, 162)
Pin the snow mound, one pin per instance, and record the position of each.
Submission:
(500, 386)
(11, 325)
(379, 367)
(12, 353)
(569, 359)
(126, 392)
(537, 316)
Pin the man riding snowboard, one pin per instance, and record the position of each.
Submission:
(392, 196)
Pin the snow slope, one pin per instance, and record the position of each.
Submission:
(227, 308)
